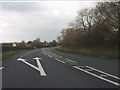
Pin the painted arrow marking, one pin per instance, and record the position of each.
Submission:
(40, 69)
(42, 72)
(1, 68)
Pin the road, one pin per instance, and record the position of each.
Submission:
(48, 68)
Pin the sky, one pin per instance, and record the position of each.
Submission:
(26, 20)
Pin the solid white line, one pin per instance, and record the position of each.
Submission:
(115, 83)
(42, 72)
(71, 60)
(1, 68)
(59, 60)
(103, 72)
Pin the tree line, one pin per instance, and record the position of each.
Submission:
(36, 43)
(96, 27)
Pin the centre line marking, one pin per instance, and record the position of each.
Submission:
(71, 60)
(103, 72)
(60, 56)
(49, 56)
(103, 75)
(115, 83)
(89, 69)
(59, 60)
(43, 53)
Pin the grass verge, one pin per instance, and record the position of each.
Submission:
(9, 54)
(91, 52)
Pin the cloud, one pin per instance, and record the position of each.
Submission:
(21, 6)
(30, 26)
(29, 20)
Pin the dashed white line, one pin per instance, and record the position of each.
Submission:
(115, 83)
(49, 56)
(103, 72)
(43, 52)
(59, 56)
(59, 60)
(103, 75)
(71, 60)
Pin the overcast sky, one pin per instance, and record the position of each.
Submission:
(30, 20)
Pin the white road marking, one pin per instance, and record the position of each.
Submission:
(59, 60)
(23, 60)
(1, 68)
(49, 56)
(43, 53)
(103, 75)
(103, 72)
(115, 83)
(42, 72)
(71, 60)
(59, 56)
(89, 69)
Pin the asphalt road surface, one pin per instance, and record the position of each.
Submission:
(48, 68)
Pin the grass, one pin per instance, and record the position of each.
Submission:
(91, 52)
(9, 54)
